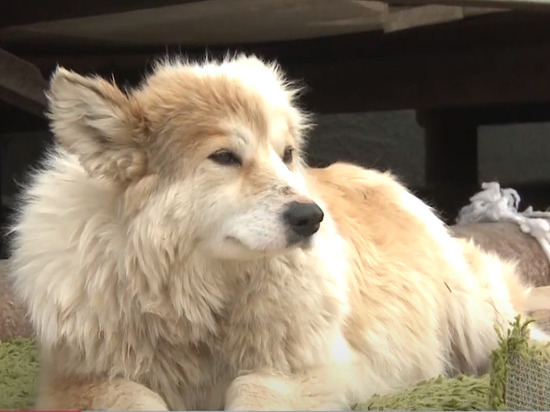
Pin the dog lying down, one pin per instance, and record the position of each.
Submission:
(176, 252)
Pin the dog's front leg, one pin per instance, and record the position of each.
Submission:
(103, 394)
(311, 390)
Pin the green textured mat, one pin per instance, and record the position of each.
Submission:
(463, 393)
(519, 379)
(520, 372)
(18, 372)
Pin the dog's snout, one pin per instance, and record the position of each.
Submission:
(303, 218)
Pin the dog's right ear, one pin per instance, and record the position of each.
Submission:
(93, 119)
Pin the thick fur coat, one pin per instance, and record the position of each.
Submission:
(173, 255)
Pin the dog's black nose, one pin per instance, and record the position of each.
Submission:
(303, 218)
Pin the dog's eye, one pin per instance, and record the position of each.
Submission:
(288, 154)
(225, 158)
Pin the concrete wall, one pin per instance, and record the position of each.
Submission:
(382, 140)
(515, 154)
(510, 154)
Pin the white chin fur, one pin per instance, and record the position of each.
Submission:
(234, 248)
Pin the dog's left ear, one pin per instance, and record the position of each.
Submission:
(93, 119)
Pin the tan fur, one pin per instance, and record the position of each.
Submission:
(158, 278)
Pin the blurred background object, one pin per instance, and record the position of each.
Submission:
(444, 93)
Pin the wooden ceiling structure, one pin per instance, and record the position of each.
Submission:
(377, 55)
(458, 63)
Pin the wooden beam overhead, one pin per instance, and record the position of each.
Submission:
(21, 84)
(30, 11)
(495, 59)
(422, 81)
(456, 78)
(527, 5)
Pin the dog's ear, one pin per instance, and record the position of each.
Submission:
(93, 119)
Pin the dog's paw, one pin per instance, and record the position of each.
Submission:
(275, 393)
(261, 392)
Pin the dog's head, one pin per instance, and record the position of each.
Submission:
(204, 153)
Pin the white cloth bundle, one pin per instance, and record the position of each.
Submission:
(494, 204)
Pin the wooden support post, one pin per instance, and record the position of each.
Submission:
(451, 159)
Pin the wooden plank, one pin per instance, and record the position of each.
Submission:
(30, 11)
(489, 30)
(21, 84)
(538, 299)
(528, 5)
(207, 23)
(448, 79)
(400, 18)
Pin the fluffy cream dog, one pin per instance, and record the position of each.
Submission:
(176, 252)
